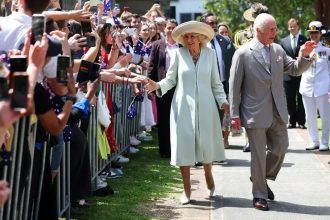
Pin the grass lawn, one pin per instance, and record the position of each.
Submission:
(147, 177)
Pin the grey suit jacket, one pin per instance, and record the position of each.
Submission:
(254, 90)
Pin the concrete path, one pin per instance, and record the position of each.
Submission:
(302, 189)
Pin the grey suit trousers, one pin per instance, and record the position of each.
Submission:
(267, 162)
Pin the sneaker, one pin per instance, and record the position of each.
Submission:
(133, 150)
(103, 174)
(100, 183)
(134, 141)
(324, 147)
(122, 159)
(144, 136)
(118, 172)
(112, 175)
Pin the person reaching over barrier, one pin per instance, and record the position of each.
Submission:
(4, 192)
(194, 118)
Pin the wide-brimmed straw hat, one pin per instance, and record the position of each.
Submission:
(248, 14)
(255, 9)
(192, 27)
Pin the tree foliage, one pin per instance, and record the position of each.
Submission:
(231, 11)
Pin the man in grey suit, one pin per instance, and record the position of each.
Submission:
(257, 100)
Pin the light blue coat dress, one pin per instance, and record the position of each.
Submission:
(195, 128)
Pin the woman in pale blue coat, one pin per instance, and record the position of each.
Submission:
(194, 122)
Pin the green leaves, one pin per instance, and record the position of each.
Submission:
(231, 11)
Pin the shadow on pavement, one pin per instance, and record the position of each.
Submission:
(276, 206)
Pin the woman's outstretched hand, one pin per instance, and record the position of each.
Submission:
(151, 85)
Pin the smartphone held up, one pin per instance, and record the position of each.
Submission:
(63, 63)
(19, 82)
(38, 27)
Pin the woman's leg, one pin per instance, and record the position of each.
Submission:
(185, 172)
(208, 175)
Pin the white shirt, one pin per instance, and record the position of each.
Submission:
(294, 40)
(261, 47)
(168, 51)
(218, 51)
(315, 80)
(13, 30)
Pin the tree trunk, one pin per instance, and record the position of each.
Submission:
(322, 8)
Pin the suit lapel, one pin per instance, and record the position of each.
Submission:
(258, 56)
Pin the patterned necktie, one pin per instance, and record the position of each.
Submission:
(294, 44)
(267, 56)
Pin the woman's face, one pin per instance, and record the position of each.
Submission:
(223, 31)
(192, 40)
(315, 36)
(144, 33)
(152, 30)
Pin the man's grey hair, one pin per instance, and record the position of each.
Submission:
(261, 21)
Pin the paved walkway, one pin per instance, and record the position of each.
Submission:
(302, 189)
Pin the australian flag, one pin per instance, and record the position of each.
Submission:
(138, 48)
(107, 5)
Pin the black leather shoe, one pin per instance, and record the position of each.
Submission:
(260, 204)
(270, 193)
(302, 126)
(198, 164)
(246, 148)
(291, 126)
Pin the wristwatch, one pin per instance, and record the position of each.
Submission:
(73, 99)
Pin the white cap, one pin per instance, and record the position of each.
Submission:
(314, 26)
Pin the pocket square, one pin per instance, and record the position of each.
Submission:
(279, 59)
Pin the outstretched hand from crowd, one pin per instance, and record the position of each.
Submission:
(76, 42)
(151, 85)
(4, 192)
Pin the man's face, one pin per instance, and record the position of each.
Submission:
(212, 21)
(169, 28)
(293, 28)
(266, 35)
(136, 23)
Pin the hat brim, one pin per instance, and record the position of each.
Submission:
(248, 15)
(192, 27)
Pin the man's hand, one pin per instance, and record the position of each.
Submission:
(307, 48)
(236, 123)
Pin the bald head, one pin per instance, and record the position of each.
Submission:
(265, 28)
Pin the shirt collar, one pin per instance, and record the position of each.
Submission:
(258, 44)
(291, 36)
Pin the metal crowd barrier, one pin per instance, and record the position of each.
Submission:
(18, 171)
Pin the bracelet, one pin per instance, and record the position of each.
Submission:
(73, 99)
